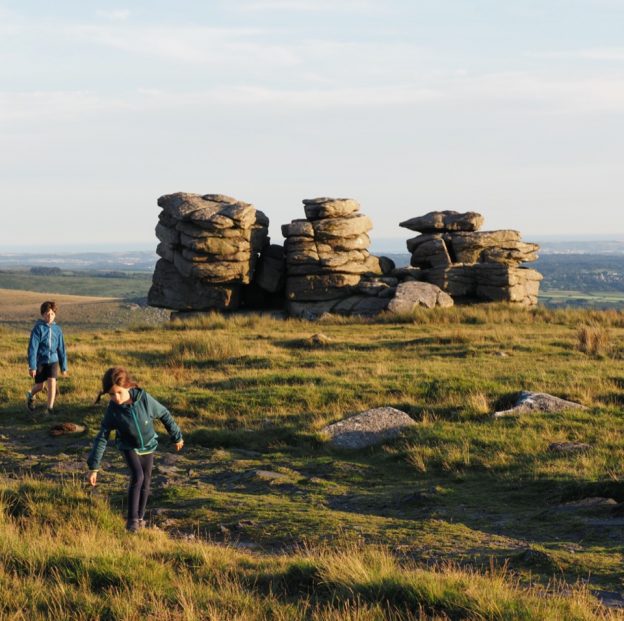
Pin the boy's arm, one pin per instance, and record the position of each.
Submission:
(33, 346)
(158, 410)
(100, 442)
(62, 354)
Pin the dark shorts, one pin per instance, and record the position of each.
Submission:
(46, 371)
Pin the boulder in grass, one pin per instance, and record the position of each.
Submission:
(569, 448)
(538, 402)
(368, 428)
(413, 294)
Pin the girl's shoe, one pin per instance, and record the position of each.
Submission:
(30, 401)
(142, 523)
(132, 526)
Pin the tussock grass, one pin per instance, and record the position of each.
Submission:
(205, 349)
(79, 570)
(594, 339)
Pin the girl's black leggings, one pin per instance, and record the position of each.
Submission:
(140, 482)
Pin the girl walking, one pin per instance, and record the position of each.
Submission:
(131, 413)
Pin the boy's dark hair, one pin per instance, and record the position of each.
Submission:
(49, 305)
(116, 376)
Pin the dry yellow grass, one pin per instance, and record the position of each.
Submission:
(18, 305)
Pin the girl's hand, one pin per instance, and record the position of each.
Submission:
(32, 372)
(92, 478)
(179, 445)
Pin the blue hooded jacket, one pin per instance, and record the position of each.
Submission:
(134, 424)
(46, 345)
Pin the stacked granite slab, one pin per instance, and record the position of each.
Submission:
(328, 265)
(465, 262)
(208, 247)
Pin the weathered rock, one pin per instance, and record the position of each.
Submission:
(197, 257)
(193, 230)
(457, 280)
(429, 251)
(538, 402)
(215, 245)
(444, 221)
(377, 285)
(410, 295)
(317, 208)
(321, 287)
(270, 273)
(368, 428)
(166, 251)
(341, 227)
(339, 244)
(360, 305)
(213, 271)
(167, 234)
(181, 205)
(172, 290)
(300, 228)
(501, 283)
(486, 245)
(569, 447)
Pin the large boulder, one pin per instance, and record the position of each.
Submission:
(491, 246)
(318, 208)
(320, 287)
(342, 227)
(411, 295)
(437, 221)
(429, 251)
(368, 428)
(172, 290)
(538, 402)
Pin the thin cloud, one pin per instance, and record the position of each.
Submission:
(615, 54)
(316, 6)
(114, 15)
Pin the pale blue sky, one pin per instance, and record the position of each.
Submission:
(513, 109)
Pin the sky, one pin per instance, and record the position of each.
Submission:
(513, 109)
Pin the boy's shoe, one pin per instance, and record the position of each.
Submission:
(30, 401)
(132, 526)
(142, 523)
(51, 411)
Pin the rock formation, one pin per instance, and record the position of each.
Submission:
(328, 265)
(453, 254)
(209, 246)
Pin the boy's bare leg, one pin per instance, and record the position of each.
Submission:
(37, 388)
(51, 392)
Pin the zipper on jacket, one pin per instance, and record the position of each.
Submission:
(50, 343)
(136, 422)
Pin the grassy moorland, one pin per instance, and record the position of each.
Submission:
(464, 517)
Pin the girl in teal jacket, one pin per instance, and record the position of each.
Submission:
(131, 413)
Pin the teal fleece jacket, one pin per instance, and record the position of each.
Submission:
(134, 424)
(46, 345)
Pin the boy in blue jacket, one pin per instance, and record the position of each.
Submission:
(46, 353)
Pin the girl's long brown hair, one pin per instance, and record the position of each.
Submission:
(115, 376)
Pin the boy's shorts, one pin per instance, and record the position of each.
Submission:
(46, 371)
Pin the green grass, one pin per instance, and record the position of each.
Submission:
(463, 517)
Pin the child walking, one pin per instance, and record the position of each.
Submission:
(131, 412)
(46, 352)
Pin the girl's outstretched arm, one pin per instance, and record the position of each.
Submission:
(100, 442)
